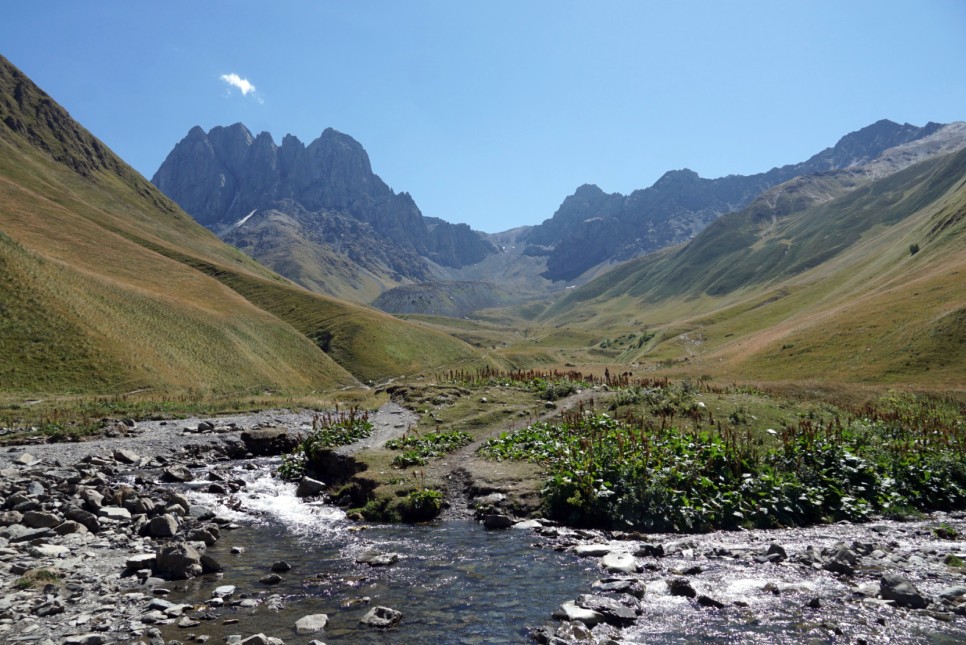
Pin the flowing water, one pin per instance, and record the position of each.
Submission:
(455, 582)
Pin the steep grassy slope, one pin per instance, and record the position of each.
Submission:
(106, 286)
(791, 288)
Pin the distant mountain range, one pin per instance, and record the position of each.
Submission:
(593, 228)
(319, 215)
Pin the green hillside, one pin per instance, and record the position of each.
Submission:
(792, 288)
(106, 286)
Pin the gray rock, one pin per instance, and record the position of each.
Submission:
(202, 534)
(896, 587)
(270, 442)
(377, 559)
(85, 639)
(382, 617)
(574, 613)
(708, 601)
(681, 587)
(162, 526)
(619, 563)
(93, 501)
(270, 579)
(25, 459)
(210, 565)
(281, 566)
(309, 487)
(592, 550)
(126, 456)
(224, 591)
(954, 594)
(311, 624)
(141, 561)
(40, 519)
(494, 521)
(114, 513)
(89, 520)
(8, 518)
(70, 527)
(176, 474)
(48, 550)
(630, 586)
(178, 562)
(612, 611)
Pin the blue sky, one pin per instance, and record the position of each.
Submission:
(491, 113)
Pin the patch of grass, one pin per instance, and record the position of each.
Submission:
(37, 578)
(418, 450)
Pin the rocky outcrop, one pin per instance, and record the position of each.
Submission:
(231, 181)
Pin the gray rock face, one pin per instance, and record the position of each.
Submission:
(269, 442)
(328, 187)
(309, 487)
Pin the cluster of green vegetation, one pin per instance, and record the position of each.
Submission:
(329, 430)
(627, 340)
(548, 385)
(419, 503)
(418, 450)
(630, 473)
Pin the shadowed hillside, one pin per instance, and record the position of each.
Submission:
(107, 286)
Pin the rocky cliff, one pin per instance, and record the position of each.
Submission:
(235, 183)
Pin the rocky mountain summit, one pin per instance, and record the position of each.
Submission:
(322, 198)
(592, 227)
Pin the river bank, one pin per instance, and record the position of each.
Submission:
(110, 541)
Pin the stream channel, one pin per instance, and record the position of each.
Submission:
(456, 582)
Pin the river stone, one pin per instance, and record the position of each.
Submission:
(650, 551)
(309, 487)
(35, 488)
(311, 624)
(48, 550)
(40, 520)
(681, 587)
(176, 474)
(69, 527)
(896, 587)
(527, 524)
(224, 591)
(93, 500)
(377, 559)
(203, 534)
(178, 562)
(495, 521)
(619, 563)
(592, 550)
(114, 513)
(613, 611)
(708, 601)
(20, 533)
(630, 586)
(8, 518)
(270, 579)
(382, 617)
(126, 456)
(85, 639)
(953, 594)
(177, 499)
(210, 565)
(280, 567)
(141, 561)
(161, 526)
(574, 613)
(25, 459)
(88, 519)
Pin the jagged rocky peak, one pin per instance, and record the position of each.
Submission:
(222, 176)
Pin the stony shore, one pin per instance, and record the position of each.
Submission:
(94, 535)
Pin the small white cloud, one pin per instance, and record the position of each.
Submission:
(243, 85)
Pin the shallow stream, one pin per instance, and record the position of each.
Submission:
(455, 582)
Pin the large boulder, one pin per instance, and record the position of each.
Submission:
(270, 442)
(898, 588)
(178, 562)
